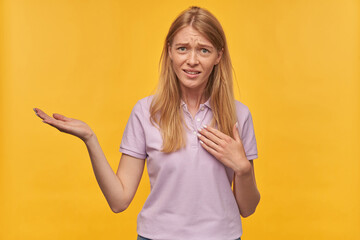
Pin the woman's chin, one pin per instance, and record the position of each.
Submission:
(192, 85)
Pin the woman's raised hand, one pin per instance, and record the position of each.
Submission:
(67, 125)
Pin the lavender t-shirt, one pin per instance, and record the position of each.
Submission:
(191, 196)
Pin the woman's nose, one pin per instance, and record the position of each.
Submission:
(193, 58)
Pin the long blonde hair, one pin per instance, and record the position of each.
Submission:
(165, 108)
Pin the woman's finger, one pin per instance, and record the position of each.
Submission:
(215, 135)
(204, 132)
(36, 112)
(41, 114)
(59, 125)
(61, 117)
(209, 143)
(49, 120)
(216, 132)
(210, 150)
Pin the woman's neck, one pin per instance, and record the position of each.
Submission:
(193, 99)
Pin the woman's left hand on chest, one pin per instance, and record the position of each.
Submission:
(230, 151)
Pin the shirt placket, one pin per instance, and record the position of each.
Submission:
(195, 123)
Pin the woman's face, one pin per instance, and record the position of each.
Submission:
(193, 58)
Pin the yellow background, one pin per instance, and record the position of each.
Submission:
(297, 68)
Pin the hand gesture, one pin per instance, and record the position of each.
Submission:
(67, 125)
(230, 151)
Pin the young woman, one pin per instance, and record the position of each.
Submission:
(196, 138)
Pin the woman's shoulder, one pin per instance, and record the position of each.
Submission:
(143, 105)
(146, 100)
(241, 108)
(242, 112)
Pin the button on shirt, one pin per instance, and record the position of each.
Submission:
(191, 196)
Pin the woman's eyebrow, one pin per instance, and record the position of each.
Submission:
(205, 46)
(199, 44)
(181, 44)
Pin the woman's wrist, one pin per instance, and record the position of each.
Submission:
(89, 138)
(244, 169)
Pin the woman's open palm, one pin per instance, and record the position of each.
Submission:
(67, 125)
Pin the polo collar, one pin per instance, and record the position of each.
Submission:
(207, 104)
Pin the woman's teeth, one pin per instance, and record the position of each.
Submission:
(191, 72)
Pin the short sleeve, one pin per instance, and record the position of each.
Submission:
(248, 137)
(133, 140)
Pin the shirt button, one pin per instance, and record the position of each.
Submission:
(198, 119)
(195, 132)
(202, 108)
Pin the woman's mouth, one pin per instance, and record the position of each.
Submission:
(191, 73)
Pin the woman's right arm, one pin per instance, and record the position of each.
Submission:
(119, 189)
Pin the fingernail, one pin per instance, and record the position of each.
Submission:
(204, 126)
(199, 135)
(201, 142)
(236, 124)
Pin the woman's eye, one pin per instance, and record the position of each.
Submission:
(204, 50)
(181, 49)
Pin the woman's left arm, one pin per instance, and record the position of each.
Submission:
(231, 153)
(246, 193)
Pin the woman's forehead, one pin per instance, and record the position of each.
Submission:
(189, 35)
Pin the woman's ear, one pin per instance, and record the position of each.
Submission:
(220, 53)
